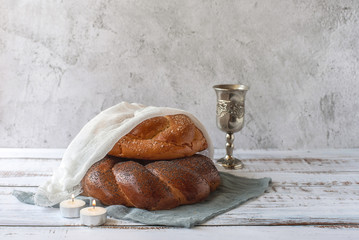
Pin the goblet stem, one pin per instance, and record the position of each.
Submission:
(229, 161)
(229, 145)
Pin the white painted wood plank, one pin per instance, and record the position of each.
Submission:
(281, 205)
(279, 178)
(284, 172)
(31, 152)
(252, 165)
(253, 232)
(315, 153)
(29, 165)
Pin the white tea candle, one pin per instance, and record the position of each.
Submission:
(71, 208)
(93, 216)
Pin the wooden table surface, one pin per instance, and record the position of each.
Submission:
(314, 195)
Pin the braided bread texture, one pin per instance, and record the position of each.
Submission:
(156, 185)
(159, 138)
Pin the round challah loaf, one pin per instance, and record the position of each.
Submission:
(159, 138)
(151, 185)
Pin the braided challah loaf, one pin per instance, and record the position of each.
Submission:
(151, 185)
(167, 137)
(126, 177)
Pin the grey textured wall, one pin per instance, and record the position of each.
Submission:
(62, 62)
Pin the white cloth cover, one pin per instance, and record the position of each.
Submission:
(94, 141)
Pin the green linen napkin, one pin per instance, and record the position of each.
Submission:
(232, 192)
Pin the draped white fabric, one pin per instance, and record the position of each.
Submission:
(94, 141)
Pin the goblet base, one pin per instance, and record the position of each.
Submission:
(230, 163)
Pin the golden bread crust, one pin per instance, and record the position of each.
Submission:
(149, 185)
(159, 138)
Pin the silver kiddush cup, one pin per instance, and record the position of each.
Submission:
(230, 118)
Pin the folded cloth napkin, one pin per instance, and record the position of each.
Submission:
(232, 192)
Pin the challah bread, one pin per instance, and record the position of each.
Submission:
(151, 185)
(159, 138)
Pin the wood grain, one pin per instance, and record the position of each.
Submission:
(284, 172)
(158, 233)
(311, 196)
(280, 206)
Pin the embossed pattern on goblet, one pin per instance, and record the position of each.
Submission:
(230, 118)
(233, 108)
